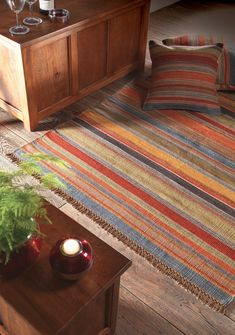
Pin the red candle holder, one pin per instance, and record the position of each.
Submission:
(71, 258)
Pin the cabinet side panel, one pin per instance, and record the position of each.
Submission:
(90, 320)
(47, 67)
(92, 54)
(13, 322)
(12, 86)
(124, 36)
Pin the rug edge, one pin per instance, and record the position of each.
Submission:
(204, 297)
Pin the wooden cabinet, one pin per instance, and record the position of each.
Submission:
(124, 39)
(47, 68)
(58, 64)
(92, 54)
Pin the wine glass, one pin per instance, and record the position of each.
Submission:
(32, 20)
(16, 6)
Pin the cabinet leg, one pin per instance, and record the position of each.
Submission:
(30, 124)
(112, 305)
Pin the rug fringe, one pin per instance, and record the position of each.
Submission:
(183, 282)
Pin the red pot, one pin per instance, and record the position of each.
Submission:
(22, 257)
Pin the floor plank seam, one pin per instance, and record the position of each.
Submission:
(153, 310)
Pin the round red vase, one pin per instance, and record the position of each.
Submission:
(71, 264)
(22, 258)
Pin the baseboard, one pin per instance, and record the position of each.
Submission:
(157, 4)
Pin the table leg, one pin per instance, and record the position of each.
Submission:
(112, 305)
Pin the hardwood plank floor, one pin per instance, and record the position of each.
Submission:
(150, 302)
(133, 314)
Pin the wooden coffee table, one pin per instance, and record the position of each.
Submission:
(40, 302)
(56, 64)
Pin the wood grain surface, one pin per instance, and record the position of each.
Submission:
(56, 64)
(38, 294)
(80, 10)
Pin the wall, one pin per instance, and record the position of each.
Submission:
(157, 4)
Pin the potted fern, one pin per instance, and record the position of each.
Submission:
(20, 206)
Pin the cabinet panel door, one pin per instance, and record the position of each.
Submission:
(12, 89)
(47, 68)
(124, 32)
(92, 54)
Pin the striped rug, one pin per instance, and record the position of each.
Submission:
(161, 181)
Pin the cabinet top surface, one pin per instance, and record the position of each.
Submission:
(38, 292)
(81, 12)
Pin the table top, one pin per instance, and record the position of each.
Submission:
(81, 11)
(38, 294)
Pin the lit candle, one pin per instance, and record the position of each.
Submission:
(70, 247)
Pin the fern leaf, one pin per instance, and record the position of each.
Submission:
(30, 168)
(51, 181)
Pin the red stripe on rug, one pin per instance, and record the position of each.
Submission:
(156, 220)
(202, 129)
(213, 122)
(172, 168)
(215, 243)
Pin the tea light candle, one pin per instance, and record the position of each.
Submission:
(71, 257)
(70, 247)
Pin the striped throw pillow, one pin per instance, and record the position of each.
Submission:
(183, 78)
(226, 69)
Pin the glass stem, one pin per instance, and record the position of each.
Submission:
(30, 10)
(17, 19)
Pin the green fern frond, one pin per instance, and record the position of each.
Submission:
(5, 178)
(6, 247)
(30, 168)
(39, 157)
(20, 200)
(49, 180)
(42, 214)
(23, 203)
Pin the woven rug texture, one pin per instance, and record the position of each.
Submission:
(160, 181)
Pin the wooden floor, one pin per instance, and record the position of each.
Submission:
(150, 302)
